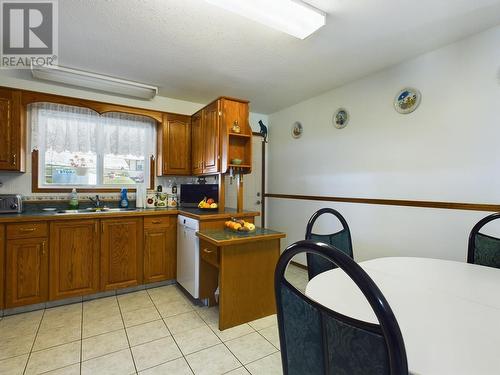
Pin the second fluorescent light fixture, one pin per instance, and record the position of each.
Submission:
(94, 81)
(290, 16)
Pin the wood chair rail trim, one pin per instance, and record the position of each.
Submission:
(393, 202)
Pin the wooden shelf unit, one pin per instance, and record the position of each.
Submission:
(240, 147)
(240, 135)
(239, 165)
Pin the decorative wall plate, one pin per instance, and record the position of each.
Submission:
(297, 130)
(407, 100)
(340, 118)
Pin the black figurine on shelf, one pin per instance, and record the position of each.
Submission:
(263, 130)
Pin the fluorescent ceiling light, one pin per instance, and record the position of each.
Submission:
(290, 16)
(94, 81)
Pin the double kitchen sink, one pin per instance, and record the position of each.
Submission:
(94, 210)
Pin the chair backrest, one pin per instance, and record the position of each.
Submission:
(484, 249)
(317, 341)
(341, 240)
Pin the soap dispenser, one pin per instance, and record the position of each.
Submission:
(73, 201)
(123, 198)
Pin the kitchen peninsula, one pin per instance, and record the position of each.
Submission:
(242, 266)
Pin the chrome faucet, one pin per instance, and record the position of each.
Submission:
(96, 201)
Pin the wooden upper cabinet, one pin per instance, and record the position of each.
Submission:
(160, 238)
(121, 253)
(211, 139)
(12, 142)
(197, 143)
(214, 144)
(74, 258)
(174, 145)
(26, 272)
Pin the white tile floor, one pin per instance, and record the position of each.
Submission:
(154, 331)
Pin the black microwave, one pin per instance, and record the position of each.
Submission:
(192, 194)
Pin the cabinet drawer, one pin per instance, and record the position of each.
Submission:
(210, 253)
(27, 230)
(158, 221)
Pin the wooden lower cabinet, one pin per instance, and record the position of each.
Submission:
(160, 243)
(2, 265)
(121, 253)
(26, 279)
(74, 258)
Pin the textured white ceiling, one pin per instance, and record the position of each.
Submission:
(195, 51)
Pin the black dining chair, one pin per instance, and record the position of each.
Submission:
(317, 341)
(484, 249)
(341, 240)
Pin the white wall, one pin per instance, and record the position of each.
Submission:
(447, 150)
(20, 183)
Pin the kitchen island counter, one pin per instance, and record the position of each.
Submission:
(241, 266)
(226, 237)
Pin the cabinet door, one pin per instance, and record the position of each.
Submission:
(26, 272)
(74, 258)
(2, 265)
(197, 143)
(121, 253)
(211, 139)
(160, 252)
(176, 145)
(11, 134)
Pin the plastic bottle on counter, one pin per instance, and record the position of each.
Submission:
(73, 201)
(123, 198)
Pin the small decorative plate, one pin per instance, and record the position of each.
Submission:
(297, 130)
(407, 100)
(340, 118)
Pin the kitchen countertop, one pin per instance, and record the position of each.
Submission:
(225, 237)
(194, 213)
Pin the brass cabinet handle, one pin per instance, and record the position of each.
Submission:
(208, 251)
(43, 248)
(27, 229)
(14, 159)
(156, 222)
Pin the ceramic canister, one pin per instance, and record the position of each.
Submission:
(161, 200)
(172, 200)
(151, 199)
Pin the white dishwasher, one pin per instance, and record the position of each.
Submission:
(188, 255)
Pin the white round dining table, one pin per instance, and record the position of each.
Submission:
(448, 312)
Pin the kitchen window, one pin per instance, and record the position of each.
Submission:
(77, 147)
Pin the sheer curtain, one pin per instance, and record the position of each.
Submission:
(69, 129)
(125, 134)
(62, 128)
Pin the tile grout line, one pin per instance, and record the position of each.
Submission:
(126, 334)
(171, 333)
(34, 340)
(265, 338)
